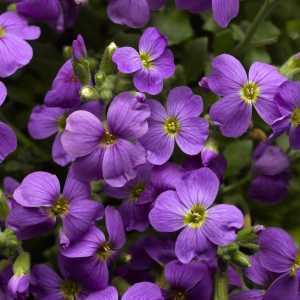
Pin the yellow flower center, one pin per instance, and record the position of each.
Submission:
(104, 252)
(60, 207)
(108, 138)
(250, 92)
(61, 123)
(195, 217)
(171, 126)
(70, 290)
(2, 32)
(295, 119)
(146, 60)
(137, 190)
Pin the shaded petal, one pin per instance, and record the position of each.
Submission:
(148, 81)
(168, 212)
(192, 135)
(158, 112)
(59, 155)
(281, 124)
(288, 96)
(225, 10)
(86, 246)
(82, 134)
(184, 276)
(38, 189)
(284, 287)
(159, 146)
(8, 141)
(267, 110)
(3, 93)
(198, 187)
(127, 115)
(193, 5)
(115, 227)
(43, 121)
(120, 162)
(221, 224)
(295, 137)
(189, 243)
(228, 75)
(232, 115)
(156, 4)
(183, 103)
(82, 214)
(277, 250)
(75, 190)
(153, 43)
(127, 60)
(110, 293)
(143, 291)
(133, 13)
(248, 295)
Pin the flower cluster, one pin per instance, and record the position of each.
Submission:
(141, 202)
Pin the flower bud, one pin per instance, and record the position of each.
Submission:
(107, 66)
(291, 67)
(241, 259)
(89, 93)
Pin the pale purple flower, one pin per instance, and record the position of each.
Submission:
(190, 210)
(240, 92)
(18, 286)
(3, 93)
(110, 150)
(8, 141)
(151, 65)
(15, 52)
(178, 124)
(145, 291)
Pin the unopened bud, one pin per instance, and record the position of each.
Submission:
(292, 66)
(241, 259)
(107, 66)
(89, 93)
(21, 265)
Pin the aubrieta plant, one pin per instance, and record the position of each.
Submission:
(149, 150)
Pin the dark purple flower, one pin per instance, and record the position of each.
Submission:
(288, 101)
(46, 121)
(15, 52)
(138, 194)
(179, 123)
(108, 150)
(133, 13)
(223, 10)
(278, 254)
(248, 295)
(151, 65)
(271, 169)
(79, 50)
(93, 251)
(60, 14)
(239, 93)
(41, 202)
(65, 90)
(109, 293)
(189, 208)
(8, 141)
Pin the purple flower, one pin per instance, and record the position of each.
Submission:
(151, 65)
(18, 286)
(223, 10)
(79, 48)
(133, 13)
(145, 291)
(288, 101)
(46, 121)
(271, 167)
(179, 123)
(8, 141)
(58, 14)
(41, 201)
(239, 92)
(93, 252)
(138, 194)
(109, 150)
(3, 93)
(65, 90)
(189, 208)
(15, 52)
(278, 254)
(248, 295)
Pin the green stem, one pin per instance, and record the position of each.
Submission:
(234, 186)
(265, 9)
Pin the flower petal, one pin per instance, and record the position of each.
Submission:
(110, 293)
(225, 10)
(8, 141)
(165, 64)
(127, 60)
(143, 291)
(295, 137)
(148, 81)
(167, 215)
(221, 223)
(38, 189)
(3, 93)
(59, 155)
(232, 115)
